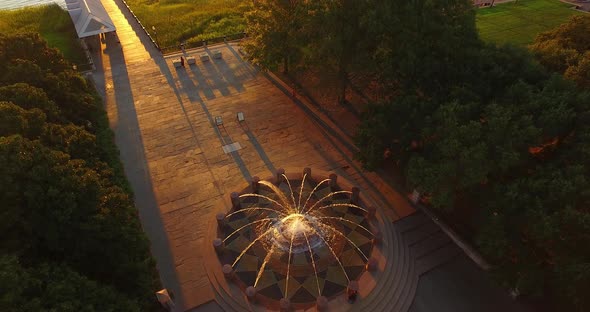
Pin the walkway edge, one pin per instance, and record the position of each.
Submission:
(466, 247)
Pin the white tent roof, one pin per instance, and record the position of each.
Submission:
(89, 17)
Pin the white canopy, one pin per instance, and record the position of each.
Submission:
(89, 17)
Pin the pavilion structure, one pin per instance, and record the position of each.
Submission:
(89, 17)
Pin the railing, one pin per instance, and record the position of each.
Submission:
(142, 27)
(171, 49)
(198, 44)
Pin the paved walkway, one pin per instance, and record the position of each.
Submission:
(163, 120)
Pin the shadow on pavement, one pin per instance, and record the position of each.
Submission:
(130, 143)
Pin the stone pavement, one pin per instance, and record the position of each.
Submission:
(163, 119)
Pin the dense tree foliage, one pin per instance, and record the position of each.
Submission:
(421, 45)
(275, 29)
(49, 287)
(482, 127)
(488, 128)
(70, 236)
(566, 49)
(327, 34)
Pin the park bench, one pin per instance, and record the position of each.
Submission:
(217, 54)
(190, 60)
(204, 57)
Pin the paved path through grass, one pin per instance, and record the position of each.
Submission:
(519, 22)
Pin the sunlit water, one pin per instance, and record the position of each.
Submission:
(15, 4)
(295, 226)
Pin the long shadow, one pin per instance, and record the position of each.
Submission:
(225, 70)
(98, 75)
(218, 81)
(258, 147)
(191, 90)
(203, 84)
(128, 139)
(228, 74)
(161, 62)
(244, 65)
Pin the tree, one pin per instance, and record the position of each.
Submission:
(274, 29)
(580, 73)
(58, 209)
(27, 97)
(31, 47)
(52, 287)
(337, 39)
(423, 47)
(72, 228)
(566, 49)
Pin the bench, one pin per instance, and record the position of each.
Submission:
(176, 63)
(191, 60)
(204, 57)
(217, 54)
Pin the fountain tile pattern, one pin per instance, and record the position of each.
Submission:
(302, 287)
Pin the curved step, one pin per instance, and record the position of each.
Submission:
(394, 275)
(400, 285)
(392, 242)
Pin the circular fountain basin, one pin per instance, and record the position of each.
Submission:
(300, 239)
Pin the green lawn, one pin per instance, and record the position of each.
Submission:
(520, 22)
(190, 20)
(52, 22)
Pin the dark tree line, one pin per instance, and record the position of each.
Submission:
(490, 129)
(70, 238)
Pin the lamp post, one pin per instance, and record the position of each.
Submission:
(156, 35)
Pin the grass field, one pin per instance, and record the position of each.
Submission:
(520, 22)
(52, 22)
(190, 20)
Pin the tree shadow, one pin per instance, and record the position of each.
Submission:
(245, 67)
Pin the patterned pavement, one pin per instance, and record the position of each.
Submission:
(330, 276)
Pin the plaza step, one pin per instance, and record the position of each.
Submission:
(412, 221)
(429, 244)
(421, 233)
(407, 300)
(413, 230)
(413, 245)
(396, 274)
(437, 258)
(421, 247)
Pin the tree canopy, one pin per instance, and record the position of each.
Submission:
(566, 50)
(488, 129)
(70, 236)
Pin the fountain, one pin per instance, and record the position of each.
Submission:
(295, 241)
